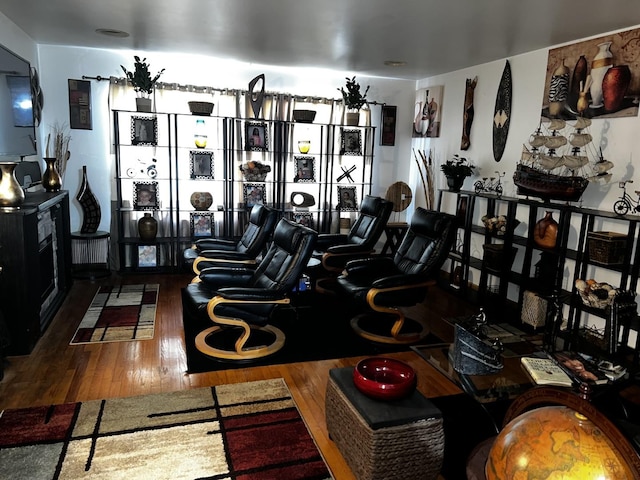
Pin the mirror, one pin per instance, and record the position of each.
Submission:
(17, 125)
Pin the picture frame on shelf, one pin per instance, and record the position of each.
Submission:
(303, 218)
(145, 196)
(351, 142)
(305, 169)
(201, 224)
(256, 138)
(347, 201)
(144, 131)
(201, 165)
(147, 256)
(253, 194)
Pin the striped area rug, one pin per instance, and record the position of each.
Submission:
(245, 431)
(119, 313)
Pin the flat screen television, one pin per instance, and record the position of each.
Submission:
(17, 125)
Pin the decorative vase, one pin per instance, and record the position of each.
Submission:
(91, 213)
(353, 118)
(51, 180)
(602, 62)
(201, 200)
(200, 134)
(304, 146)
(11, 193)
(545, 231)
(579, 75)
(147, 227)
(455, 183)
(558, 90)
(143, 104)
(614, 86)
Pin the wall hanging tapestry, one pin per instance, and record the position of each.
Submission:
(119, 313)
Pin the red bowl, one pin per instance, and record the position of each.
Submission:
(384, 378)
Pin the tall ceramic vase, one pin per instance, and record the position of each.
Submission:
(91, 213)
(51, 180)
(147, 227)
(545, 231)
(614, 87)
(602, 62)
(11, 194)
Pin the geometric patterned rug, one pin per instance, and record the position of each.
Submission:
(119, 313)
(245, 431)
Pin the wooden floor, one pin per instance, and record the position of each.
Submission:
(56, 372)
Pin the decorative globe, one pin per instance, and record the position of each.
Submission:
(554, 442)
(201, 200)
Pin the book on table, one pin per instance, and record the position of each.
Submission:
(580, 368)
(546, 371)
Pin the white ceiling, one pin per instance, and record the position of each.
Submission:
(432, 36)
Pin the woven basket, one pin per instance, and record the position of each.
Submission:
(304, 116)
(201, 108)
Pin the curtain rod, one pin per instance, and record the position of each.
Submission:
(223, 91)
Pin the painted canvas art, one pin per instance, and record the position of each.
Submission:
(427, 112)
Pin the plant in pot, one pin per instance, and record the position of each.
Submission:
(143, 83)
(456, 170)
(354, 100)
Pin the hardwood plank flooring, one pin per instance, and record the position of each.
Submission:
(56, 372)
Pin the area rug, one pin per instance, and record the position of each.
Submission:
(245, 431)
(315, 328)
(119, 313)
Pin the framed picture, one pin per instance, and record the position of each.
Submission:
(255, 134)
(305, 168)
(202, 224)
(305, 219)
(80, 104)
(253, 194)
(388, 130)
(145, 195)
(347, 199)
(144, 131)
(201, 166)
(147, 256)
(351, 142)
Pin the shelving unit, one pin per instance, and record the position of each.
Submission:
(546, 271)
(179, 155)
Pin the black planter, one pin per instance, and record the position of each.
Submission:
(455, 183)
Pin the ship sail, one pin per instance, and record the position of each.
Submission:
(549, 162)
(573, 162)
(555, 141)
(580, 139)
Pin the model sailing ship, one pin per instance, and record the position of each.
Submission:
(559, 167)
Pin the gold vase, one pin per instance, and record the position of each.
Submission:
(51, 180)
(11, 194)
(545, 231)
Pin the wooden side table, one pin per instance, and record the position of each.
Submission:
(90, 254)
(383, 440)
(395, 233)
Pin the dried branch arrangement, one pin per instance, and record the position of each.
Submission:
(60, 147)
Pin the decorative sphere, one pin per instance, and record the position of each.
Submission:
(554, 442)
(201, 200)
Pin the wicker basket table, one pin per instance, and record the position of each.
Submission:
(383, 440)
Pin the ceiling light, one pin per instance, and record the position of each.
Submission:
(395, 63)
(110, 32)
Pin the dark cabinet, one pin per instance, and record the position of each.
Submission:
(35, 257)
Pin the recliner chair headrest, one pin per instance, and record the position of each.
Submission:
(288, 235)
(430, 224)
(372, 205)
(258, 214)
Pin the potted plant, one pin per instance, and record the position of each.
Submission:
(143, 83)
(354, 100)
(456, 170)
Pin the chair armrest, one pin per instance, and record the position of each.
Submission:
(213, 255)
(408, 281)
(215, 244)
(326, 240)
(334, 261)
(221, 277)
(249, 294)
(371, 266)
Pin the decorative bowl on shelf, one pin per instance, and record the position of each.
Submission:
(201, 200)
(595, 294)
(304, 116)
(498, 225)
(200, 108)
(384, 378)
(255, 171)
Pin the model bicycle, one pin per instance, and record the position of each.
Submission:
(490, 184)
(626, 203)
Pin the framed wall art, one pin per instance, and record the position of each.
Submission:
(201, 224)
(201, 165)
(388, 130)
(303, 218)
(80, 104)
(147, 256)
(255, 134)
(253, 194)
(347, 199)
(145, 195)
(305, 168)
(351, 142)
(427, 113)
(144, 131)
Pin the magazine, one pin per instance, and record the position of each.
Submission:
(545, 371)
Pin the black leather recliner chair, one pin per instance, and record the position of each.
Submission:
(240, 301)
(208, 252)
(334, 250)
(384, 284)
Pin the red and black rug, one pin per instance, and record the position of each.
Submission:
(245, 431)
